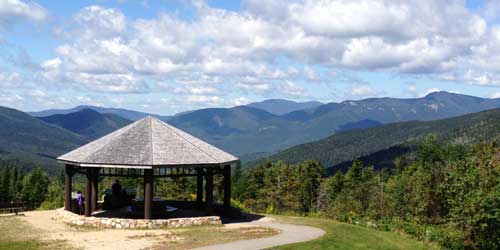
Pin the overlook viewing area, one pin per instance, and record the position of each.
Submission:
(149, 149)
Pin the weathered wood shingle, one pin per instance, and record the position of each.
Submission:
(147, 142)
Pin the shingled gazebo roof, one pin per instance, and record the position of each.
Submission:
(145, 144)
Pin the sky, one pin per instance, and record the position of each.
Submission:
(167, 57)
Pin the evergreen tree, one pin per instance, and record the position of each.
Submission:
(5, 187)
(35, 187)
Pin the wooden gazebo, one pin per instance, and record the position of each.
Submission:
(149, 149)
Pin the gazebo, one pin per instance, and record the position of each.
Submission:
(149, 149)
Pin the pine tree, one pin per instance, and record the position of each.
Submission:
(35, 187)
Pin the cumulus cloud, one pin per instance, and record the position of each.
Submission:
(94, 22)
(12, 11)
(273, 47)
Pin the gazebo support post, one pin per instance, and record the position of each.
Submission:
(199, 187)
(148, 193)
(227, 190)
(68, 181)
(209, 192)
(88, 192)
(95, 188)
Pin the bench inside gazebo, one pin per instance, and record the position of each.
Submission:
(149, 149)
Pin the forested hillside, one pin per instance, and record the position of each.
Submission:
(448, 194)
(381, 145)
(88, 123)
(31, 140)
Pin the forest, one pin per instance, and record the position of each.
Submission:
(448, 194)
(443, 193)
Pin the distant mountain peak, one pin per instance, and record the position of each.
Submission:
(124, 113)
(446, 94)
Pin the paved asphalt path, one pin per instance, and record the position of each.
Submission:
(288, 234)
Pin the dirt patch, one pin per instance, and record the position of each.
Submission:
(202, 236)
(127, 239)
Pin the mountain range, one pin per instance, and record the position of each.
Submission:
(124, 113)
(281, 107)
(246, 131)
(381, 145)
(250, 132)
(32, 141)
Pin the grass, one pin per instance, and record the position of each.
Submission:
(204, 236)
(342, 236)
(18, 235)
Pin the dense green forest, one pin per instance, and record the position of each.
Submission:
(35, 189)
(444, 193)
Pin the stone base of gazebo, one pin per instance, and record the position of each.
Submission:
(102, 222)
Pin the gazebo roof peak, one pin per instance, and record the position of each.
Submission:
(147, 143)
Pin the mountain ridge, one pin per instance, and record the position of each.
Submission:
(88, 122)
(33, 141)
(282, 106)
(124, 113)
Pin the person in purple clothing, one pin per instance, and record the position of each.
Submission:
(79, 201)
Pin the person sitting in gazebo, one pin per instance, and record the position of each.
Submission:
(116, 189)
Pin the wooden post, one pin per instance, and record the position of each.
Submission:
(68, 176)
(227, 190)
(199, 187)
(95, 188)
(88, 193)
(209, 192)
(148, 193)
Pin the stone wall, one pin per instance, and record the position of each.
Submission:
(101, 222)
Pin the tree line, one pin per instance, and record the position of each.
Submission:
(443, 193)
(34, 189)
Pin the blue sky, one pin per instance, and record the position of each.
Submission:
(170, 56)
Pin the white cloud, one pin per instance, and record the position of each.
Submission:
(208, 100)
(7, 98)
(95, 22)
(254, 87)
(198, 90)
(37, 93)
(10, 79)
(495, 95)
(362, 91)
(429, 91)
(291, 89)
(240, 101)
(273, 47)
(13, 10)
(311, 74)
